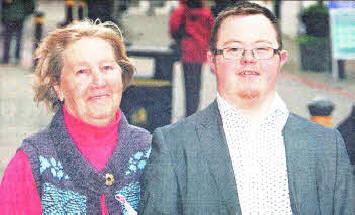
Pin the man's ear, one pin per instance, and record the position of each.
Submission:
(283, 57)
(59, 92)
(211, 61)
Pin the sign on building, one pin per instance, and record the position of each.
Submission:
(342, 25)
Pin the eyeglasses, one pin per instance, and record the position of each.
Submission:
(235, 53)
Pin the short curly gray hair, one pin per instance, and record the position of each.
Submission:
(50, 60)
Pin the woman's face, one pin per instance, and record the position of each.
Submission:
(91, 81)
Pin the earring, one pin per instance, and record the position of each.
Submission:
(58, 93)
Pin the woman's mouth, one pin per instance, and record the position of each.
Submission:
(98, 97)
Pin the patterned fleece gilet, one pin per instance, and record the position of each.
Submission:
(68, 184)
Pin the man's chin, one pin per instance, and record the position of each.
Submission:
(249, 94)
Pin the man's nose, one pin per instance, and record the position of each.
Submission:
(248, 56)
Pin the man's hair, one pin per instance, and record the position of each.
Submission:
(49, 56)
(244, 8)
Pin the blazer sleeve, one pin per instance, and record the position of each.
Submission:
(343, 187)
(159, 185)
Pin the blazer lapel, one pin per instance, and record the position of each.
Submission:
(297, 161)
(215, 149)
(211, 135)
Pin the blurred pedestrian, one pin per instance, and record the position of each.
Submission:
(89, 160)
(154, 4)
(347, 130)
(100, 9)
(119, 8)
(191, 23)
(13, 16)
(221, 5)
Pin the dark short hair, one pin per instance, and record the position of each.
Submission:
(244, 8)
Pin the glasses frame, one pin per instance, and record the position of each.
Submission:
(222, 51)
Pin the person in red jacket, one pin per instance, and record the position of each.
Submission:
(192, 22)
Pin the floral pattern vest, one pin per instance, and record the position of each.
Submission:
(68, 184)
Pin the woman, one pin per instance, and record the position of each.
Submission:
(193, 22)
(89, 155)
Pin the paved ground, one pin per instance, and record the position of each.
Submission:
(19, 116)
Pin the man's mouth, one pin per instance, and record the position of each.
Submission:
(248, 73)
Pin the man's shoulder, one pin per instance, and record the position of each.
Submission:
(311, 132)
(185, 135)
(305, 124)
(192, 121)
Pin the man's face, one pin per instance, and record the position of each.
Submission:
(246, 78)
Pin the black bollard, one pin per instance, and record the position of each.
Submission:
(82, 5)
(69, 11)
(38, 20)
(321, 110)
(341, 69)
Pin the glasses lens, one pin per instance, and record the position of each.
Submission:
(263, 53)
(232, 53)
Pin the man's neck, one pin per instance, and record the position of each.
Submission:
(254, 109)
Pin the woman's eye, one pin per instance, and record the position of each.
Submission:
(108, 67)
(81, 71)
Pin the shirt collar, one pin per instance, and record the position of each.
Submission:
(278, 105)
(278, 109)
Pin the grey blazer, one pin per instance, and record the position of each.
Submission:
(190, 170)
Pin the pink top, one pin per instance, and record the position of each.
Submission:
(18, 191)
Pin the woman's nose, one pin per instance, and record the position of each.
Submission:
(98, 78)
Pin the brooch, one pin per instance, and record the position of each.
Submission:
(110, 179)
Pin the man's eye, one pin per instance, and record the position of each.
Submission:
(233, 49)
(263, 49)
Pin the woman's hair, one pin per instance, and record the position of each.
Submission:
(49, 56)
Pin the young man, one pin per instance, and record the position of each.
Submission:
(246, 153)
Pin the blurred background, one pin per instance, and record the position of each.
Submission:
(319, 75)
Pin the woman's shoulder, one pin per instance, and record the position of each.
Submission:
(39, 136)
(36, 142)
(138, 132)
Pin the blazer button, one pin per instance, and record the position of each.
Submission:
(110, 179)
